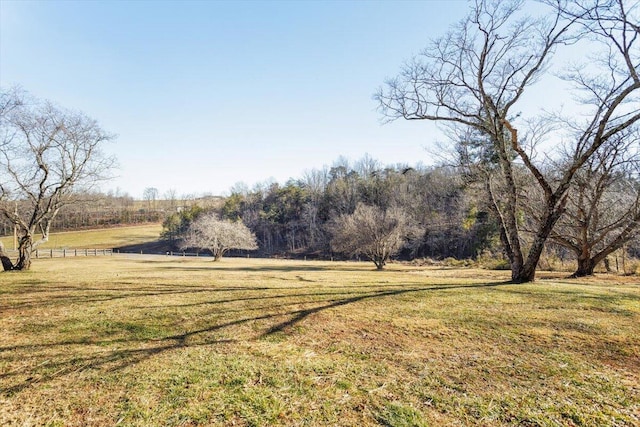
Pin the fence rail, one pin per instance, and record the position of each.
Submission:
(167, 253)
(65, 253)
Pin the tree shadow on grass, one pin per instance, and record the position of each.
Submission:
(284, 265)
(143, 349)
(107, 294)
(271, 268)
(300, 315)
(60, 295)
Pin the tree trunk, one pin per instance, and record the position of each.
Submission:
(553, 212)
(509, 219)
(525, 274)
(6, 262)
(586, 265)
(24, 253)
(514, 255)
(380, 263)
(516, 270)
(217, 253)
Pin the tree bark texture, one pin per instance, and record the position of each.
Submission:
(6, 262)
(25, 249)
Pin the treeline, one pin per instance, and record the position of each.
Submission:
(448, 206)
(94, 210)
(293, 219)
(101, 210)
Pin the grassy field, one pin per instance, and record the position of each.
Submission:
(144, 341)
(99, 239)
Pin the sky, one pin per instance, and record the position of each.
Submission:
(206, 94)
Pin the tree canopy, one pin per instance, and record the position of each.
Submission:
(46, 154)
(373, 232)
(218, 236)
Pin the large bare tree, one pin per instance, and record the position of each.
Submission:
(603, 208)
(475, 77)
(46, 153)
(218, 236)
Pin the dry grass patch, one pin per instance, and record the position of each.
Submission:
(141, 341)
(104, 238)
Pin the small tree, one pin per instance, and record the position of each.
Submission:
(371, 231)
(218, 236)
(150, 194)
(46, 155)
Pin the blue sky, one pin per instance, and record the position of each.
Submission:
(206, 94)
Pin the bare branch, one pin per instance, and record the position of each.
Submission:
(46, 153)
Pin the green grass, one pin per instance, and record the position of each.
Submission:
(144, 341)
(99, 239)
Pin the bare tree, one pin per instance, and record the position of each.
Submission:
(603, 208)
(371, 231)
(218, 236)
(150, 194)
(46, 154)
(171, 196)
(315, 183)
(10, 99)
(475, 76)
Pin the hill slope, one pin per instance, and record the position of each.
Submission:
(105, 238)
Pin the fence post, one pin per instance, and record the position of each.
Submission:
(50, 253)
(75, 252)
(64, 253)
(37, 255)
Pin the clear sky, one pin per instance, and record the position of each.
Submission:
(205, 94)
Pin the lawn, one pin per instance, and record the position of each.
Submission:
(152, 340)
(105, 238)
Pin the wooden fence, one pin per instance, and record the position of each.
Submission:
(167, 253)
